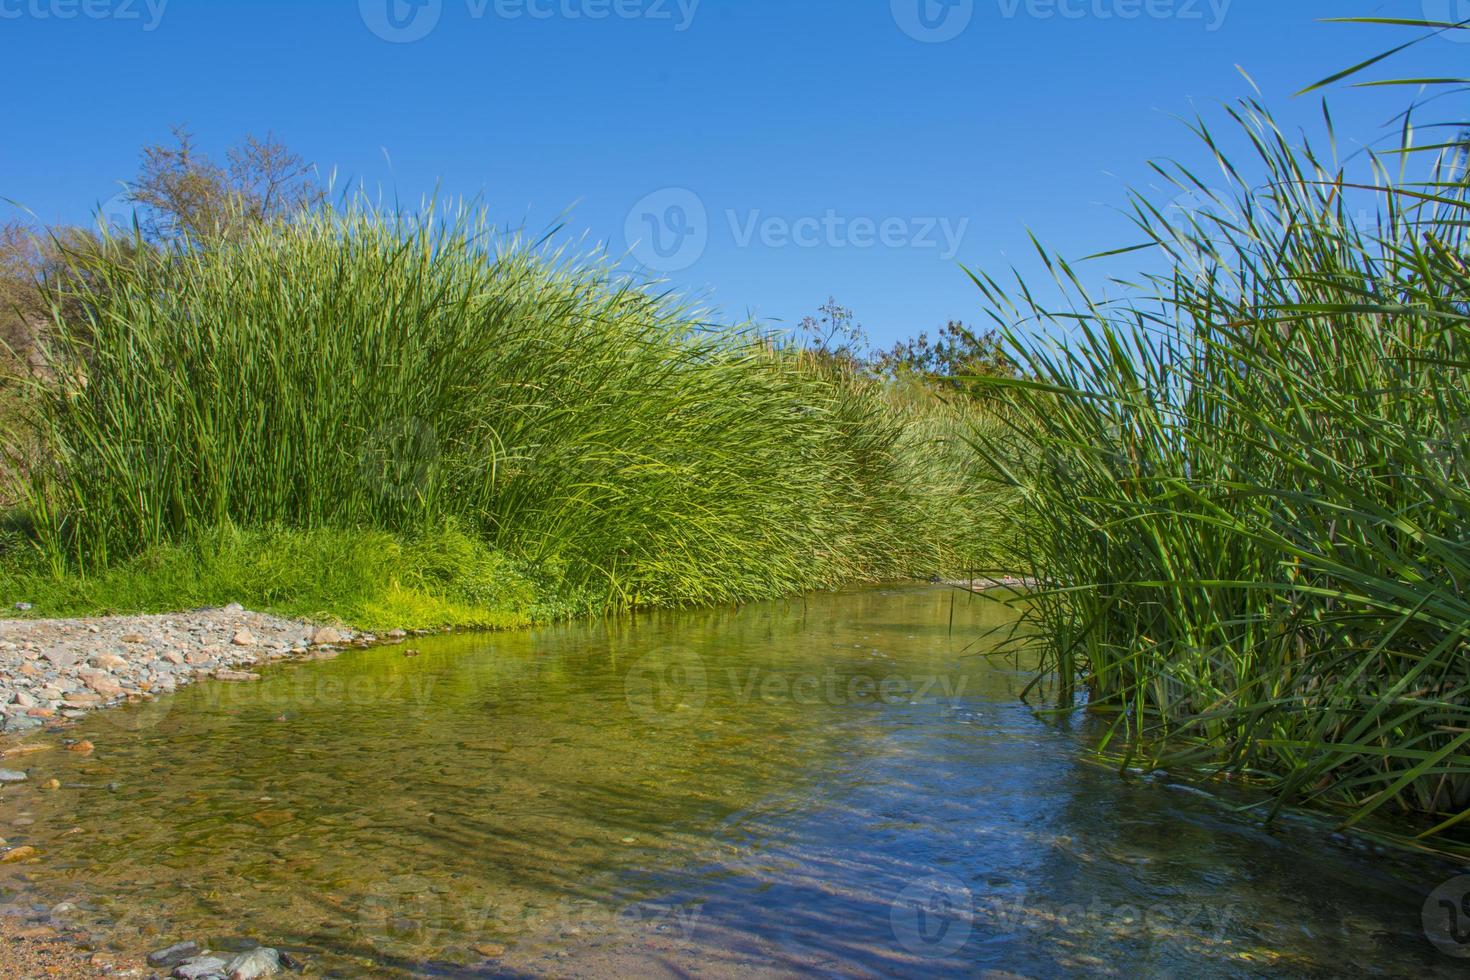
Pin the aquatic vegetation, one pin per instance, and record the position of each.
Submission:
(1247, 488)
(355, 370)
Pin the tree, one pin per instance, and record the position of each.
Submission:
(186, 195)
(954, 359)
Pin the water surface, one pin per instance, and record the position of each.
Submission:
(843, 784)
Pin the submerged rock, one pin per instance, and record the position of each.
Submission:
(201, 968)
(261, 962)
(173, 955)
(12, 776)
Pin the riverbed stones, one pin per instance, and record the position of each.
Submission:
(261, 962)
(51, 668)
(101, 682)
(16, 854)
(325, 636)
(12, 776)
(201, 968)
(171, 956)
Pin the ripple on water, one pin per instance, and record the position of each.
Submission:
(836, 783)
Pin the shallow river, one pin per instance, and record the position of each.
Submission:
(842, 785)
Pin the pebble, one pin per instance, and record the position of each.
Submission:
(12, 776)
(491, 951)
(173, 955)
(84, 747)
(261, 962)
(22, 853)
(63, 668)
(200, 967)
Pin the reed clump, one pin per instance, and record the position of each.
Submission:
(355, 370)
(1247, 486)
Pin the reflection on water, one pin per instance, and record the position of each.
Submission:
(840, 784)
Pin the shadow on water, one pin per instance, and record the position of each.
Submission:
(838, 784)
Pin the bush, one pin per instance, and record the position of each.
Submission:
(352, 371)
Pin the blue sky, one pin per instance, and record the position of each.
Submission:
(764, 154)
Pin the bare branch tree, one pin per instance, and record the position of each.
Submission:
(186, 194)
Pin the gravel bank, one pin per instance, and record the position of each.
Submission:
(58, 669)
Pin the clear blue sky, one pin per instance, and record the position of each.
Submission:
(784, 150)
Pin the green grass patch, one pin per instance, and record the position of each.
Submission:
(372, 580)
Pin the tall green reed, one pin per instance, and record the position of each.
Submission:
(1247, 486)
(354, 369)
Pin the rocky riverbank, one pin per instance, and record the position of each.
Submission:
(59, 669)
(55, 671)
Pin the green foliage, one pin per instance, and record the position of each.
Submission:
(369, 579)
(1247, 488)
(954, 360)
(355, 371)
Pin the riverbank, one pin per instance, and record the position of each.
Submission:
(56, 670)
(30, 947)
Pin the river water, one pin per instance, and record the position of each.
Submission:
(842, 784)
